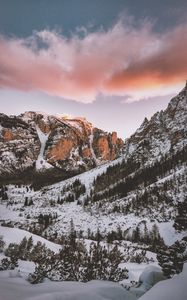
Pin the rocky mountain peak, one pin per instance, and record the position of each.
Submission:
(185, 88)
(163, 132)
(179, 102)
(55, 145)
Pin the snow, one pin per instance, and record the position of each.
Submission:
(135, 271)
(13, 287)
(41, 163)
(22, 271)
(74, 124)
(169, 234)
(148, 278)
(171, 289)
(83, 218)
(25, 268)
(86, 178)
(15, 235)
(18, 289)
(91, 147)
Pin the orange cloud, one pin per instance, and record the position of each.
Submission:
(167, 66)
(121, 60)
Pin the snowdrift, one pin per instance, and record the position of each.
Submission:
(171, 289)
(149, 277)
(18, 289)
(12, 287)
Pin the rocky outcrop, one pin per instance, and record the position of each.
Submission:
(48, 144)
(106, 146)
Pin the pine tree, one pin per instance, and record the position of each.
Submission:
(29, 244)
(72, 234)
(181, 218)
(171, 258)
(8, 264)
(12, 251)
(37, 253)
(45, 267)
(26, 201)
(2, 243)
(72, 258)
(23, 249)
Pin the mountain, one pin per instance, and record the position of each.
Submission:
(40, 148)
(107, 223)
(165, 132)
(151, 181)
(141, 196)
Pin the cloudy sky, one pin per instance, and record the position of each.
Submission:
(111, 61)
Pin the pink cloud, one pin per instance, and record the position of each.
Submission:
(121, 60)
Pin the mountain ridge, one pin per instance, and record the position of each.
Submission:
(41, 145)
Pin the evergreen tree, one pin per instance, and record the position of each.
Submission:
(44, 267)
(8, 264)
(2, 243)
(181, 218)
(75, 263)
(29, 244)
(23, 249)
(171, 258)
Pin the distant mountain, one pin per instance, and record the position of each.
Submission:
(35, 147)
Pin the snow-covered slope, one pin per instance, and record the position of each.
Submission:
(16, 235)
(90, 217)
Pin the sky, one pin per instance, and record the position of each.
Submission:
(111, 61)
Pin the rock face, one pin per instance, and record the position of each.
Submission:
(19, 146)
(106, 145)
(47, 144)
(165, 132)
